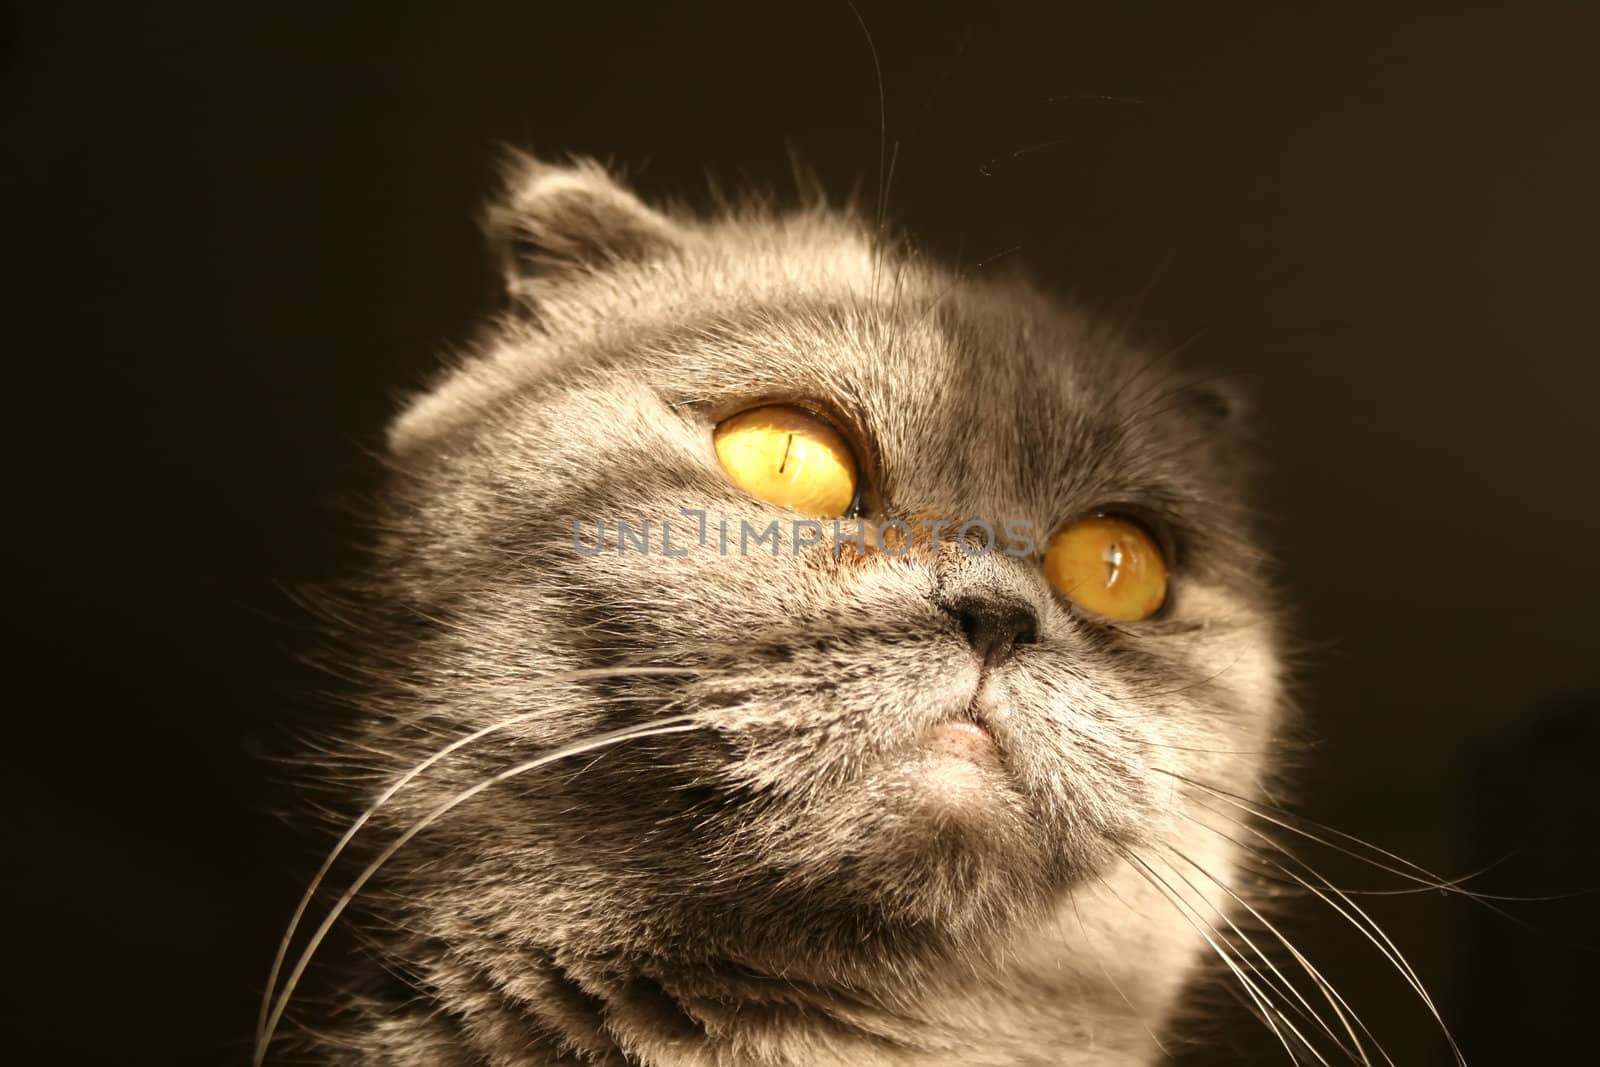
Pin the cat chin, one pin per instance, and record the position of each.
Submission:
(940, 816)
(959, 780)
(957, 770)
(957, 784)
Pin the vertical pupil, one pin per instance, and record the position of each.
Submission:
(787, 444)
(1113, 558)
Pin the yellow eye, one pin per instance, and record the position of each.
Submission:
(1110, 566)
(788, 457)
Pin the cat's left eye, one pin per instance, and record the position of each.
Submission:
(1109, 565)
(790, 457)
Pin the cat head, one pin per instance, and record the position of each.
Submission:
(908, 728)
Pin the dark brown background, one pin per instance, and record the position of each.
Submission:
(234, 234)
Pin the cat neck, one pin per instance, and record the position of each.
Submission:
(614, 1009)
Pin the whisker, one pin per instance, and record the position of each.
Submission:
(989, 166)
(1303, 1008)
(389, 793)
(1369, 928)
(1072, 899)
(1422, 876)
(883, 142)
(1201, 927)
(1199, 682)
(1258, 753)
(1460, 882)
(960, 279)
(1340, 1007)
(1119, 898)
(672, 724)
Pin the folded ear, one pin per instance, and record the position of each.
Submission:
(1219, 403)
(555, 220)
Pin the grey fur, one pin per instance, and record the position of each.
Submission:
(796, 881)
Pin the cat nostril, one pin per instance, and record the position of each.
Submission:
(995, 624)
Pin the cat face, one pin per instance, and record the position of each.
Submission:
(905, 746)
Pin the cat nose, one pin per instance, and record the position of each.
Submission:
(995, 624)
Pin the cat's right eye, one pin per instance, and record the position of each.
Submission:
(790, 457)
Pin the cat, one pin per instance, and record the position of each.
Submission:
(908, 753)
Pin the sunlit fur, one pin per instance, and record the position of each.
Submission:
(797, 880)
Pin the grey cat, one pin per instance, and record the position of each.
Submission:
(885, 786)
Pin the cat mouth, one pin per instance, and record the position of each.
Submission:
(963, 739)
(970, 735)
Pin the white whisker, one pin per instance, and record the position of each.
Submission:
(672, 724)
(1205, 930)
(1341, 1009)
(389, 793)
(1369, 928)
